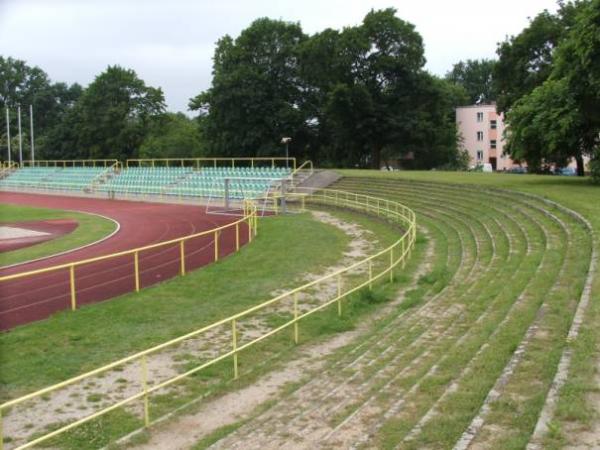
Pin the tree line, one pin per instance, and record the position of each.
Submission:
(356, 97)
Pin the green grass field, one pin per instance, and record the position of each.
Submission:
(90, 229)
(478, 334)
(66, 345)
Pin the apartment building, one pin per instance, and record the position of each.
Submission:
(481, 130)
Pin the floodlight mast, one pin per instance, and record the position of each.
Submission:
(20, 136)
(31, 134)
(8, 133)
(286, 141)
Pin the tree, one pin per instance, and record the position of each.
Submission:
(24, 85)
(173, 136)
(525, 61)
(475, 76)
(114, 115)
(382, 61)
(256, 93)
(545, 126)
(560, 119)
(577, 62)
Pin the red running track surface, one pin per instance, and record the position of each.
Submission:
(37, 297)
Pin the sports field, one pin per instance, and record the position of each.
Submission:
(89, 229)
(490, 327)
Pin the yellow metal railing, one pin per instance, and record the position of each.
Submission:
(116, 167)
(249, 217)
(213, 162)
(377, 266)
(70, 163)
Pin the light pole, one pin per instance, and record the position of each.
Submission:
(8, 133)
(20, 137)
(31, 131)
(286, 141)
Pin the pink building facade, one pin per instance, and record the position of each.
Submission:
(481, 131)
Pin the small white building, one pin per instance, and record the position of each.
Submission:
(481, 129)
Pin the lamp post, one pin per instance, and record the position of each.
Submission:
(20, 136)
(31, 134)
(8, 133)
(286, 141)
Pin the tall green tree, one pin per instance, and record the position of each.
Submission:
(21, 84)
(381, 62)
(476, 77)
(173, 136)
(115, 114)
(560, 119)
(525, 61)
(256, 97)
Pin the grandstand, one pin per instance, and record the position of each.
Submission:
(59, 178)
(150, 179)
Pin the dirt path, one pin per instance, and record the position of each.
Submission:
(182, 432)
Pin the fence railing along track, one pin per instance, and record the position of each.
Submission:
(375, 267)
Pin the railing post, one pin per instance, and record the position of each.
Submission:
(250, 226)
(296, 317)
(1, 431)
(136, 267)
(216, 246)
(237, 237)
(339, 293)
(370, 274)
(182, 256)
(145, 388)
(392, 265)
(403, 252)
(235, 356)
(72, 283)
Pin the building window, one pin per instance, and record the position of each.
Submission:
(479, 117)
(479, 155)
(480, 135)
(493, 124)
(492, 143)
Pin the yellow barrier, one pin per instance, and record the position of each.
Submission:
(249, 217)
(376, 266)
(69, 163)
(214, 162)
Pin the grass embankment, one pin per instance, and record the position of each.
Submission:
(539, 366)
(294, 245)
(70, 343)
(419, 379)
(90, 228)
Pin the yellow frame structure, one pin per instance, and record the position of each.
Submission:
(70, 163)
(206, 162)
(392, 256)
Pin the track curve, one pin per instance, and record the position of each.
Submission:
(141, 223)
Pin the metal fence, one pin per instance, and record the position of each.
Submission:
(297, 303)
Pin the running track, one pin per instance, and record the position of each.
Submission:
(37, 297)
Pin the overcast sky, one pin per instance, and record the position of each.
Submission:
(170, 43)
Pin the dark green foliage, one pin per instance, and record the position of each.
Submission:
(356, 97)
(476, 77)
(256, 94)
(173, 136)
(559, 118)
(24, 85)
